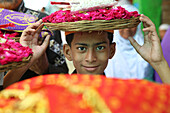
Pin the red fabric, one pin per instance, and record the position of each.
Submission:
(60, 3)
(120, 96)
(7, 25)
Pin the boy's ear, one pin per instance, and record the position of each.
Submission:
(67, 52)
(112, 50)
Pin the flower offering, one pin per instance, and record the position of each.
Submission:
(106, 13)
(11, 51)
(92, 15)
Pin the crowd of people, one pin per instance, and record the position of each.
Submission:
(130, 54)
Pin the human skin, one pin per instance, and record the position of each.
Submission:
(151, 50)
(29, 38)
(90, 52)
(10, 4)
(128, 32)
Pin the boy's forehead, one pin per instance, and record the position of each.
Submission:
(91, 34)
(90, 37)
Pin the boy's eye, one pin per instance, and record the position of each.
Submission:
(81, 48)
(100, 47)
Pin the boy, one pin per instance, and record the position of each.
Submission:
(90, 51)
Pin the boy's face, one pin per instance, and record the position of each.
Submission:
(90, 52)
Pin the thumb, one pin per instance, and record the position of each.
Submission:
(134, 44)
(46, 42)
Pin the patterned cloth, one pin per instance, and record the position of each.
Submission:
(85, 94)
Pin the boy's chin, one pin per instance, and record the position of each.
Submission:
(92, 73)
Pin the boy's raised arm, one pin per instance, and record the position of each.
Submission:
(151, 50)
(29, 38)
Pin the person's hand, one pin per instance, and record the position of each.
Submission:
(30, 37)
(151, 50)
(41, 65)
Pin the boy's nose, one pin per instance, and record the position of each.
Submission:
(90, 56)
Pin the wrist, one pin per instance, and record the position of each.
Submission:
(159, 65)
(163, 71)
(41, 65)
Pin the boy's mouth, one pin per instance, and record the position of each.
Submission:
(90, 68)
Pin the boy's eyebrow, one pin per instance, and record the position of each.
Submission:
(104, 42)
(83, 44)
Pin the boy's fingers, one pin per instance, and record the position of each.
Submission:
(148, 29)
(28, 32)
(46, 42)
(146, 21)
(35, 25)
(134, 44)
(38, 31)
(40, 21)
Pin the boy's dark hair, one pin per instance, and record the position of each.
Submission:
(69, 38)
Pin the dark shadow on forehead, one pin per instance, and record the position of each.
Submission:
(84, 44)
(69, 38)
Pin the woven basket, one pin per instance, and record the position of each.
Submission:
(95, 25)
(12, 65)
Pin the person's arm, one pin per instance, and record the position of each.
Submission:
(14, 75)
(41, 65)
(29, 38)
(151, 50)
(163, 71)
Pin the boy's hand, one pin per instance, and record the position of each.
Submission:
(151, 50)
(30, 37)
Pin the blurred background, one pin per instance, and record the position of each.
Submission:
(157, 10)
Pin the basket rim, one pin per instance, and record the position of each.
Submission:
(12, 65)
(89, 25)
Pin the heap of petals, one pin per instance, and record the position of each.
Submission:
(11, 51)
(8, 34)
(98, 14)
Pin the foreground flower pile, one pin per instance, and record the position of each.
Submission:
(11, 51)
(98, 14)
